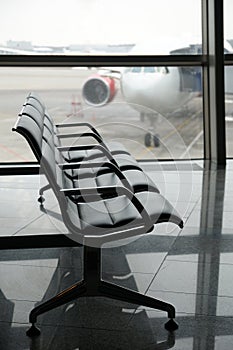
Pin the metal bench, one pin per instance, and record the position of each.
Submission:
(99, 202)
(113, 152)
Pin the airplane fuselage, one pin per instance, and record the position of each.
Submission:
(161, 91)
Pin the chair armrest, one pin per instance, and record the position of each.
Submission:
(130, 167)
(115, 191)
(84, 134)
(68, 125)
(91, 165)
(88, 147)
(77, 148)
(86, 165)
(88, 191)
(103, 150)
(97, 137)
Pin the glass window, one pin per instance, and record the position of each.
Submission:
(99, 26)
(228, 28)
(229, 109)
(156, 116)
(149, 69)
(228, 36)
(136, 70)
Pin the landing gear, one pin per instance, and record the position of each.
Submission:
(156, 140)
(149, 138)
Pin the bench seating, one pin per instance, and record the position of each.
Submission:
(114, 151)
(103, 195)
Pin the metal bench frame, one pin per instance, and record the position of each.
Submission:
(92, 283)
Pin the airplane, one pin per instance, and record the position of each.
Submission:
(152, 91)
(5, 50)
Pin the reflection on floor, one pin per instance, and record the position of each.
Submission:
(191, 268)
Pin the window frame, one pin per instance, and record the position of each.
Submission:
(211, 62)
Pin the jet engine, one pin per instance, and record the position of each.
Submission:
(98, 90)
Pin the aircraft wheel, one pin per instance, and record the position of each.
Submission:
(156, 140)
(147, 140)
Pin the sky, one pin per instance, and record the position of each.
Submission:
(65, 22)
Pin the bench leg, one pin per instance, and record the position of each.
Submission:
(93, 285)
(77, 290)
(113, 291)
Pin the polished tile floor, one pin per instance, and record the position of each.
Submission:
(191, 268)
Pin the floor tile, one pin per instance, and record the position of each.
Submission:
(189, 268)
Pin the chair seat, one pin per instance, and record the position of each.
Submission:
(138, 179)
(120, 212)
(82, 155)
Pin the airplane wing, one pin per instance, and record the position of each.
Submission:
(111, 72)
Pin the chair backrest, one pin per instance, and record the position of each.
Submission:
(35, 101)
(35, 125)
(28, 128)
(38, 130)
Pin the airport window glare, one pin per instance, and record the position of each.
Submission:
(84, 27)
(229, 109)
(228, 36)
(184, 52)
(156, 115)
(228, 28)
